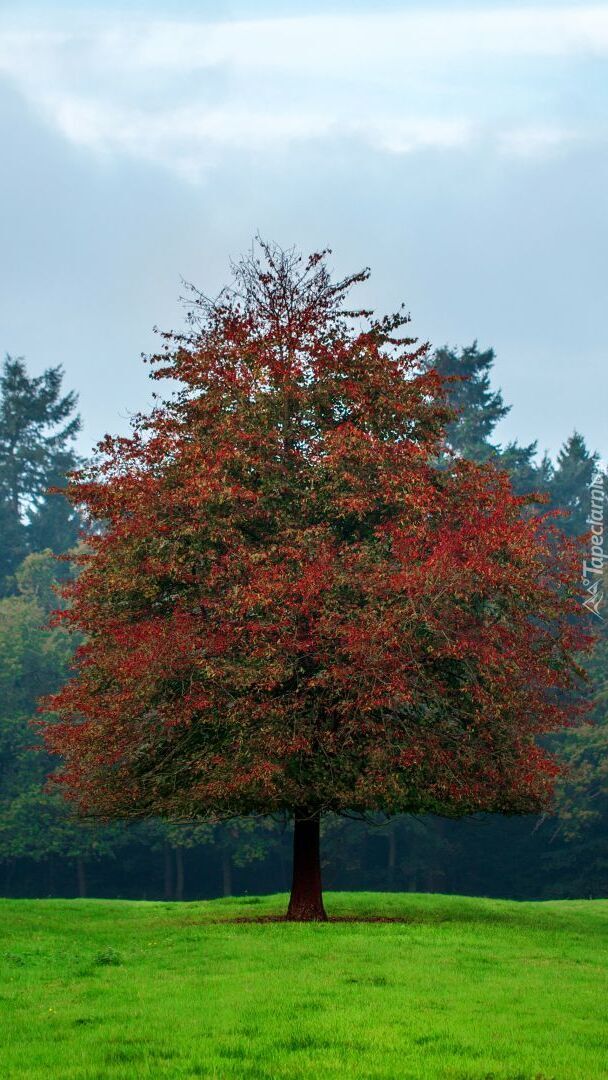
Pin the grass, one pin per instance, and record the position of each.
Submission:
(461, 989)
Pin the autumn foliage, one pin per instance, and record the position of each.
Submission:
(299, 602)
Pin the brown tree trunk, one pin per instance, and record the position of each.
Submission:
(306, 901)
(226, 873)
(179, 874)
(82, 877)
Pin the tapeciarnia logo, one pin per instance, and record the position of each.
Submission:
(593, 568)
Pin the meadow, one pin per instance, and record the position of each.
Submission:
(457, 989)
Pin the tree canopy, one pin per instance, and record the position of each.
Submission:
(294, 606)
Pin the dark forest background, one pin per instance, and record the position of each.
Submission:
(45, 851)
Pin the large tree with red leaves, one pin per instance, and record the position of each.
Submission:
(299, 602)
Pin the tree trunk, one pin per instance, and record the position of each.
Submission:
(306, 901)
(226, 873)
(82, 877)
(179, 874)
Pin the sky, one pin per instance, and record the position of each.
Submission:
(459, 150)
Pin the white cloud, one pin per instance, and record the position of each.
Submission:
(534, 140)
(333, 43)
(180, 92)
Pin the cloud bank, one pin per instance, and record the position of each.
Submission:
(181, 93)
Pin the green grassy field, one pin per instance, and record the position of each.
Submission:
(461, 988)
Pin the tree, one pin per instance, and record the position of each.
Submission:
(582, 794)
(35, 824)
(478, 409)
(297, 607)
(37, 429)
(570, 482)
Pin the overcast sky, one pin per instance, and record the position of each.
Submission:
(460, 151)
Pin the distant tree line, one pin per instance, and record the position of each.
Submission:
(45, 850)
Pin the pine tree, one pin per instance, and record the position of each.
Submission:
(570, 483)
(38, 426)
(479, 408)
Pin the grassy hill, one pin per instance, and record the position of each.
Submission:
(459, 988)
